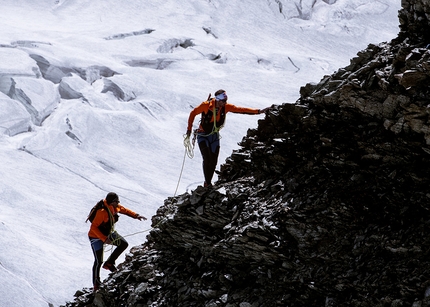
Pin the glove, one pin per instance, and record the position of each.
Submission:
(140, 217)
(263, 110)
(188, 133)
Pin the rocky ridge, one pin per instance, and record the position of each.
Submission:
(325, 204)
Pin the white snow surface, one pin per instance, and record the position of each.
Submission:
(131, 72)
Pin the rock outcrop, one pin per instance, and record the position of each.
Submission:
(414, 21)
(325, 204)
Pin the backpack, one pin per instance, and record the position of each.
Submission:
(93, 212)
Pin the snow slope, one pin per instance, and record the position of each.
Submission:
(95, 97)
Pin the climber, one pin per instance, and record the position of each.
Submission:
(213, 117)
(103, 217)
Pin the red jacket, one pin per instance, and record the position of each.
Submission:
(207, 106)
(102, 218)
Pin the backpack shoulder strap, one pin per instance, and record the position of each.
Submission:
(94, 210)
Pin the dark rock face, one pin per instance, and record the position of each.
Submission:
(325, 204)
(414, 21)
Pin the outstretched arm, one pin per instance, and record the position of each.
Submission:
(242, 110)
(130, 213)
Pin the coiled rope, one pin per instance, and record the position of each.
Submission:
(189, 146)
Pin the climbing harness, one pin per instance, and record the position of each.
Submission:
(215, 128)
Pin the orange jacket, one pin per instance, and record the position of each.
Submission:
(205, 106)
(102, 217)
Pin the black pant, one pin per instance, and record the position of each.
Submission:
(97, 247)
(210, 152)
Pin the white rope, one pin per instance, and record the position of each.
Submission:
(189, 151)
(189, 147)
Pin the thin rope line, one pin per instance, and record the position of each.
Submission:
(182, 169)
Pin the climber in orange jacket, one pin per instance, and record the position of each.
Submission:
(213, 113)
(101, 232)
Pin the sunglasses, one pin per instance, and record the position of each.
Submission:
(222, 96)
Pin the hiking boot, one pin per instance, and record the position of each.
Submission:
(109, 266)
(207, 185)
(95, 288)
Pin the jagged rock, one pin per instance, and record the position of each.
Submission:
(411, 77)
(414, 17)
